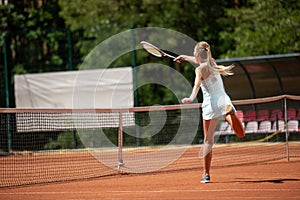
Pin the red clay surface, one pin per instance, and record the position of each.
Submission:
(273, 180)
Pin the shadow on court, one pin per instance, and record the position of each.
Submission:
(279, 180)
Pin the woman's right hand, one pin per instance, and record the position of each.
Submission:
(186, 100)
(180, 58)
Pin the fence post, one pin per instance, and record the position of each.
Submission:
(70, 67)
(135, 83)
(9, 142)
(286, 129)
(6, 70)
(70, 47)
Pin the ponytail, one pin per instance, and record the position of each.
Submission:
(225, 70)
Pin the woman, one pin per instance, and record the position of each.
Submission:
(216, 102)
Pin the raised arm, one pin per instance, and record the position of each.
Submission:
(195, 88)
(190, 59)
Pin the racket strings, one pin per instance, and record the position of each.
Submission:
(152, 51)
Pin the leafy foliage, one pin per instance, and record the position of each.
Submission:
(65, 140)
(102, 19)
(263, 28)
(38, 38)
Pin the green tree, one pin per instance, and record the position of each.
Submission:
(11, 21)
(36, 40)
(103, 19)
(262, 28)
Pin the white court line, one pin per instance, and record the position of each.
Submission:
(201, 190)
(149, 191)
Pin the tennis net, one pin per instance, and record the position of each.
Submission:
(50, 145)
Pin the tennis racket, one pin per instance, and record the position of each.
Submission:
(150, 48)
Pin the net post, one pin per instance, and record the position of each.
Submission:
(120, 142)
(286, 129)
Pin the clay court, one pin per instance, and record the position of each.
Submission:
(274, 180)
(277, 179)
(258, 167)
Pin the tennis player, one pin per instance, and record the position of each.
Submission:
(216, 102)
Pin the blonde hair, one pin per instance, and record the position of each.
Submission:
(203, 49)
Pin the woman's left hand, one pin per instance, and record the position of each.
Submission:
(186, 100)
